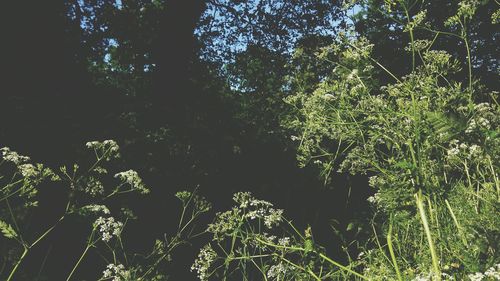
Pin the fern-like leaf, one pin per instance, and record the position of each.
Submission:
(7, 230)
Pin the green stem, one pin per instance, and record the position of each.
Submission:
(469, 66)
(25, 252)
(79, 261)
(423, 217)
(464, 240)
(323, 256)
(391, 251)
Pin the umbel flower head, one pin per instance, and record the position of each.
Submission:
(107, 149)
(116, 272)
(12, 156)
(247, 208)
(202, 264)
(108, 228)
(132, 179)
(95, 209)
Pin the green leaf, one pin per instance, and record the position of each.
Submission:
(403, 165)
(7, 230)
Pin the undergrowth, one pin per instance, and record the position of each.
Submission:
(427, 140)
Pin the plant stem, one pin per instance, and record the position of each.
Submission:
(423, 217)
(17, 264)
(391, 251)
(78, 262)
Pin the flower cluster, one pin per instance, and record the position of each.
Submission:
(36, 173)
(277, 271)
(202, 264)
(108, 228)
(466, 9)
(96, 209)
(493, 273)
(93, 186)
(116, 272)
(131, 178)
(485, 117)
(258, 209)
(184, 196)
(12, 156)
(225, 223)
(107, 149)
(458, 150)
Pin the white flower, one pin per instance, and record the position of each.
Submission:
(93, 186)
(243, 198)
(285, 241)
(478, 276)
(28, 170)
(97, 209)
(131, 178)
(106, 149)
(453, 151)
(108, 228)
(277, 271)
(116, 272)
(12, 156)
(474, 150)
(274, 217)
(202, 264)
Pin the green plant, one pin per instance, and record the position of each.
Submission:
(428, 135)
(87, 196)
(254, 241)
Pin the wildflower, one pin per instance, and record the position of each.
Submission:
(484, 122)
(285, 241)
(131, 178)
(493, 272)
(96, 209)
(109, 144)
(93, 186)
(277, 271)
(353, 74)
(28, 170)
(100, 170)
(225, 223)
(201, 204)
(260, 203)
(482, 107)
(108, 228)
(12, 156)
(107, 149)
(116, 272)
(243, 198)
(202, 264)
(418, 45)
(478, 276)
(273, 218)
(183, 196)
(474, 150)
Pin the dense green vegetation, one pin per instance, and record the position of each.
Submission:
(372, 126)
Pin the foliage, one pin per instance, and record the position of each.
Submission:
(425, 139)
(402, 94)
(254, 241)
(87, 192)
